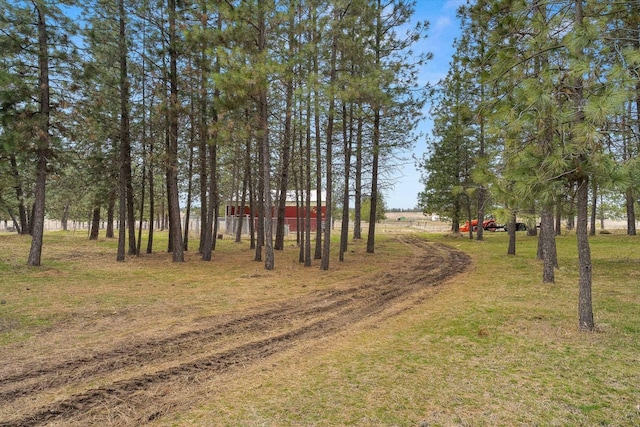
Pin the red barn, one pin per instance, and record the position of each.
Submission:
(292, 214)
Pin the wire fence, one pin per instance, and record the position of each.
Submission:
(228, 225)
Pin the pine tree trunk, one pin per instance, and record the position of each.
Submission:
(316, 118)
(95, 223)
(480, 229)
(300, 199)
(326, 247)
(481, 154)
(204, 204)
(252, 212)
(143, 179)
(152, 203)
(585, 308)
(594, 206)
(109, 234)
(203, 133)
(631, 211)
(124, 136)
(192, 145)
(131, 224)
(318, 247)
(287, 143)
(344, 232)
(558, 226)
(307, 196)
(187, 212)
(207, 247)
(43, 145)
(216, 207)
(65, 217)
(260, 200)
(162, 215)
(232, 201)
(455, 216)
(269, 259)
(371, 235)
(175, 225)
(548, 243)
(470, 217)
(23, 226)
(357, 206)
(125, 143)
(532, 230)
(631, 193)
(511, 250)
(243, 196)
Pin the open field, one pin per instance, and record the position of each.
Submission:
(430, 330)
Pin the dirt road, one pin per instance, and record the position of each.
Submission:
(143, 380)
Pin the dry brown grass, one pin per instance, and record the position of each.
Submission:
(492, 347)
(82, 287)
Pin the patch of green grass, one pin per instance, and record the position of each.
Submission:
(18, 327)
(494, 347)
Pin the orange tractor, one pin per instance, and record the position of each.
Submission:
(487, 224)
(491, 225)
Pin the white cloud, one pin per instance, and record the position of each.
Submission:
(454, 4)
(442, 23)
(443, 30)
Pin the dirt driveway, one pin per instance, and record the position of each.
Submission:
(144, 379)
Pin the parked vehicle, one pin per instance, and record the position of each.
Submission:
(488, 224)
(520, 226)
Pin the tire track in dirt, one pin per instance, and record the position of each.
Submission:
(222, 343)
(107, 361)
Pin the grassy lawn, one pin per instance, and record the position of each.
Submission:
(495, 346)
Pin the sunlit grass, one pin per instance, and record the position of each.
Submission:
(495, 346)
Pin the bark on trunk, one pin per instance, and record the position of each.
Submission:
(152, 203)
(269, 258)
(287, 144)
(344, 232)
(316, 118)
(326, 247)
(175, 226)
(65, 217)
(203, 131)
(512, 234)
(631, 212)
(594, 206)
(111, 209)
(357, 207)
(585, 308)
(558, 226)
(371, 235)
(243, 196)
(480, 230)
(207, 247)
(23, 226)
(187, 213)
(307, 196)
(43, 146)
(548, 243)
(124, 178)
(95, 223)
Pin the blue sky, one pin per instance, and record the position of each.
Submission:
(443, 29)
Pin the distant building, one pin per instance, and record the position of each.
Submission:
(295, 212)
